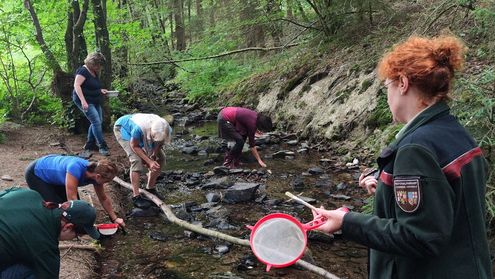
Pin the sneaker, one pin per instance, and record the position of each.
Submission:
(155, 192)
(141, 202)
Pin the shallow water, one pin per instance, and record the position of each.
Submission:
(155, 248)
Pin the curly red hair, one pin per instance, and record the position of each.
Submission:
(428, 63)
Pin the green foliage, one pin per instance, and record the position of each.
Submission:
(475, 104)
(2, 120)
(475, 107)
(207, 78)
(381, 115)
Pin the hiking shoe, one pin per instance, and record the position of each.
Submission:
(141, 202)
(104, 152)
(155, 192)
(104, 149)
(86, 154)
(90, 146)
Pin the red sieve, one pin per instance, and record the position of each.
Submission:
(279, 240)
(107, 229)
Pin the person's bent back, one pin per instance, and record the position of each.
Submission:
(30, 230)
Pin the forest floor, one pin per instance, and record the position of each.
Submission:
(23, 144)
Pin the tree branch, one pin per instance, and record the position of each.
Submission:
(244, 242)
(52, 61)
(217, 56)
(298, 24)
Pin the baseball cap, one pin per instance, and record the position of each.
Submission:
(81, 214)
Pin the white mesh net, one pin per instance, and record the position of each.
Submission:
(278, 241)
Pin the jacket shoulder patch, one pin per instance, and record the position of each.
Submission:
(407, 193)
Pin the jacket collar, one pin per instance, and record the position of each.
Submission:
(439, 109)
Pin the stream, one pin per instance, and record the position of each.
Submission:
(194, 186)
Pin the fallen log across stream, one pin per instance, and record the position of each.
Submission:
(244, 242)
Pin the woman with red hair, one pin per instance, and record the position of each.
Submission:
(429, 211)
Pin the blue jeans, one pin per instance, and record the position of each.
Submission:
(95, 116)
(17, 271)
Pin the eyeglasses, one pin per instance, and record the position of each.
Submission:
(387, 83)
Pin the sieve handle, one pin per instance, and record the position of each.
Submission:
(315, 223)
(296, 198)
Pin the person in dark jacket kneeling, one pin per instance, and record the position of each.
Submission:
(31, 228)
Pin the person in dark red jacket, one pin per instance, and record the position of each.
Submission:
(235, 123)
(429, 210)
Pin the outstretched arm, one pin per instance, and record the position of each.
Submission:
(107, 205)
(257, 156)
(71, 183)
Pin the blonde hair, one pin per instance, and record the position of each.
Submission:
(428, 63)
(94, 59)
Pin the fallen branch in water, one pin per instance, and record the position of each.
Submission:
(244, 242)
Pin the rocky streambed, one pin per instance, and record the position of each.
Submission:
(199, 190)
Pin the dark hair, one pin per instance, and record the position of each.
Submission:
(105, 168)
(264, 123)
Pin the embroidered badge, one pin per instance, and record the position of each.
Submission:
(407, 193)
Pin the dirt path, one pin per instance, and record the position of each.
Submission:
(24, 144)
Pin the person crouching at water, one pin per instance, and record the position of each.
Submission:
(30, 231)
(57, 178)
(429, 209)
(235, 123)
(142, 136)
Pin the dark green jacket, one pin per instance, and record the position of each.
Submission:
(29, 232)
(429, 214)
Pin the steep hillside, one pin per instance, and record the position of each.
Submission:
(331, 94)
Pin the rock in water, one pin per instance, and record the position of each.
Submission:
(150, 212)
(240, 192)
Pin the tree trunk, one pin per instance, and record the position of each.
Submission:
(50, 58)
(253, 33)
(212, 14)
(62, 83)
(172, 33)
(180, 32)
(189, 21)
(103, 43)
(275, 29)
(199, 21)
(77, 50)
(199, 10)
(290, 13)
